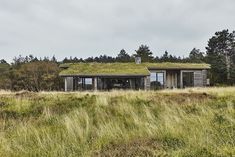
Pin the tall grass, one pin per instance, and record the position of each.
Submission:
(191, 122)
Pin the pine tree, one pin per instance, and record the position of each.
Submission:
(145, 53)
(196, 56)
(220, 52)
(123, 56)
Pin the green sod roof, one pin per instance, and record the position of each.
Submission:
(105, 69)
(123, 69)
(183, 66)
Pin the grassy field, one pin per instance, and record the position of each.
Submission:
(192, 122)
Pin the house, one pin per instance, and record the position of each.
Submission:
(134, 76)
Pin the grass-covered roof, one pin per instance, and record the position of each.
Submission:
(99, 69)
(105, 69)
(167, 65)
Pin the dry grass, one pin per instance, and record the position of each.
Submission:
(190, 122)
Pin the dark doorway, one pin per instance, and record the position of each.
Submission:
(118, 84)
(188, 79)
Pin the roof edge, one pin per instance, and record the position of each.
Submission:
(104, 75)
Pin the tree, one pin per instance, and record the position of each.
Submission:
(165, 57)
(66, 60)
(33, 59)
(36, 76)
(3, 61)
(4, 75)
(53, 59)
(101, 59)
(169, 58)
(19, 60)
(123, 56)
(196, 56)
(220, 51)
(145, 53)
(89, 59)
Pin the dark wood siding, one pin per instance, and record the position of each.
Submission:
(147, 83)
(198, 78)
(204, 76)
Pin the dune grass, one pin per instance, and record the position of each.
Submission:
(191, 122)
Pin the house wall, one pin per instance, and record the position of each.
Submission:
(204, 77)
(95, 83)
(200, 77)
(147, 83)
(171, 79)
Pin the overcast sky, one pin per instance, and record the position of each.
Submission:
(85, 28)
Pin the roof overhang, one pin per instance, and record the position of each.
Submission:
(154, 68)
(124, 69)
(101, 75)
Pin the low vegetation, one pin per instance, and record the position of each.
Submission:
(192, 122)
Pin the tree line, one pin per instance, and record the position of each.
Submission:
(37, 74)
(146, 56)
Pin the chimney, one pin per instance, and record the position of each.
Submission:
(137, 60)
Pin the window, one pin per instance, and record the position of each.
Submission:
(160, 78)
(156, 80)
(153, 81)
(88, 81)
(153, 77)
(85, 84)
(188, 79)
(80, 84)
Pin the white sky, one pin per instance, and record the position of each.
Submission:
(85, 28)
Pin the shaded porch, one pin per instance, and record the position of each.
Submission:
(84, 83)
(117, 83)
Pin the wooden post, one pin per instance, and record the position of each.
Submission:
(68, 84)
(181, 79)
(164, 78)
(147, 83)
(95, 83)
(176, 80)
(65, 84)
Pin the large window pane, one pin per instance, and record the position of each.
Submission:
(153, 81)
(88, 81)
(153, 77)
(85, 84)
(160, 78)
(157, 80)
(188, 79)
